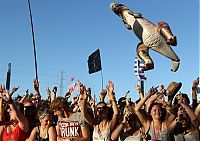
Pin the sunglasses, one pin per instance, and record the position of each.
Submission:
(30, 108)
(101, 108)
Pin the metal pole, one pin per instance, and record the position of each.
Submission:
(33, 37)
(142, 87)
(102, 79)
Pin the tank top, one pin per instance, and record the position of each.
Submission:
(125, 137)
(101, 136)
(158, 135)
(45, 138)
(16, 135)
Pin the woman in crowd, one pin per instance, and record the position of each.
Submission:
(129, 128)
(45, 131)
(17, 127)
(185, 126)
(155, 126)
(103, 123)
(30, 112)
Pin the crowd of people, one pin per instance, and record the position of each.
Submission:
(159, 115)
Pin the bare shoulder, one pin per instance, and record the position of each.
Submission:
(52, 129)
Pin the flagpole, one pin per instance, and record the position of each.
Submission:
(102, 79)
(142, 87)
(34, 49)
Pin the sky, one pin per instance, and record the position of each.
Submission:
(67, 32)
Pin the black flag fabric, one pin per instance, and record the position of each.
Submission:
(94, 62)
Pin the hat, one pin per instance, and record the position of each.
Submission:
(173, 88)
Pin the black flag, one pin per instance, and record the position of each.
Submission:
(94, 62)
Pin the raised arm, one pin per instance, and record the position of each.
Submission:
(48, 91)
(138, 88)
(112, 99)
(138, 106)
(84, 96)
(14, 90)
(189, 111)
(118, 130)
(36, 86)
(54, 91)
(23, 121)
(197, 110)
(191, 115)
(194, 93)
(24, 97)
(170, 115)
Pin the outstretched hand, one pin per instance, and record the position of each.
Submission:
(6, 96)
(138, 88)
(2, 88)
(36, 84)
(48, 91)
(110, 90)
(160, 98)
(84, 92)
(14, 90)
(195, 83)
(54, 89)
(152, 90)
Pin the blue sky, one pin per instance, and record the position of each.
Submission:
(67, 32)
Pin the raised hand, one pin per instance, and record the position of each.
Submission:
(54, 89)
(89, 91)
(79, 84)
(128, 101)
(110, 90)
(195, 84)
(36, 85)
(84, 92)
(179, 98)
(75, 99)
(14, 90)
(91, 102)
(6, 97)
(138, 88)
(160, 98)
(48, 91)
(162, 90)
(152, 90)
(2, 88)
(110, 87)
(102, 95)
